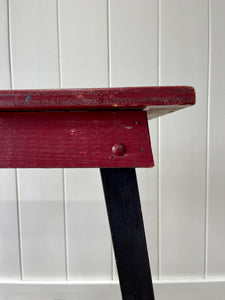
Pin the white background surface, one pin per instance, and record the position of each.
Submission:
(53, 225)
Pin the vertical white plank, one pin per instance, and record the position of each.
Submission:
(148, 190)
(133, 39)
(133, 48)
(87, 225)
(216, 178)
(4, 47)
(84, 63)
(184, 61)
(34, 43)
(35, 65)
(83, 39)
(9, 242)
(42, 223)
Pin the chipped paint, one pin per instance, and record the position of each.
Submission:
(127, 127)
(73, 131)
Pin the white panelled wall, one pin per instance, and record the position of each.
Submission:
(54, 235)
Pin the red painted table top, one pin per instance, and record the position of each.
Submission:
(82, 128)
(155, 100)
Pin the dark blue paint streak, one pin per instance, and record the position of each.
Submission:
(27, 98)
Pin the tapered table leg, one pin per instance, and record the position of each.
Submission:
(127, 230)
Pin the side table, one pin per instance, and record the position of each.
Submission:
(103, 128)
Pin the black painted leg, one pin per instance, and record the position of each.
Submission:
(127, 229)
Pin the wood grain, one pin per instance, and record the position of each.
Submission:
(73, 139)
(156, 100)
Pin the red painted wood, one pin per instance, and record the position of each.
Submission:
(156, 100)
(74, 139)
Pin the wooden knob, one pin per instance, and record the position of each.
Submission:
(119, 149)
